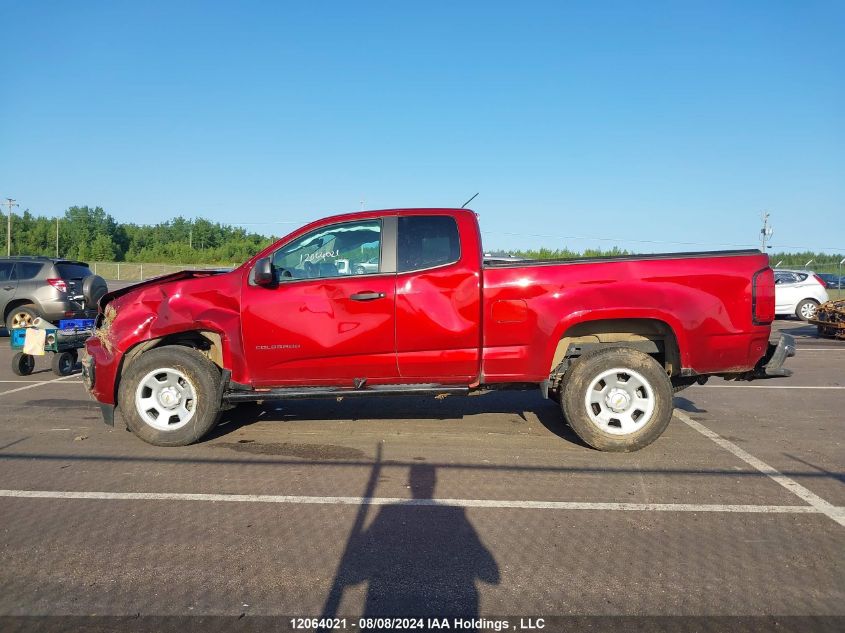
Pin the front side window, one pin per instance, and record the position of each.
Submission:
(427, 241)
(340, 250)
(6, 271)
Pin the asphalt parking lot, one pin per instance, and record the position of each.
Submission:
(485, 505)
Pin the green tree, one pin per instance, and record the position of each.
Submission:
(102, 248)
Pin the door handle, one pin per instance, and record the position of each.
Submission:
(366, 296)
(8, 287)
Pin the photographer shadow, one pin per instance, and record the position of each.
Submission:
(421, 559)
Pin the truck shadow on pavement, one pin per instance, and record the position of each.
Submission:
(518, 405)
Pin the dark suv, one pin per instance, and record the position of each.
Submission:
(53, 289)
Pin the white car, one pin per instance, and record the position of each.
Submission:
(798, 292)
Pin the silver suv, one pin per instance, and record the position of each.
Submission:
(53, 289)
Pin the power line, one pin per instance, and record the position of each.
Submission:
(766, 232)
(9, 203)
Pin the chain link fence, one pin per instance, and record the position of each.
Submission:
(131, 271)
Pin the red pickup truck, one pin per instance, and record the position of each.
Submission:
(400, 302)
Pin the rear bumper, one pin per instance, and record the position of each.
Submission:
(54, 311)
(771, 365)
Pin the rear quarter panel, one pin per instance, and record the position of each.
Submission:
(706, 301)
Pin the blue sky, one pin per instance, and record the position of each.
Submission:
(627, 121)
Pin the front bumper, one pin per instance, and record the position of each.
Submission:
(771, 365)
(91, 372)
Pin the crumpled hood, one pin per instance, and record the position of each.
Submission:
(182, 274)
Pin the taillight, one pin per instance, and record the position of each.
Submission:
(58, 284)
(820, 280)
(763, 297)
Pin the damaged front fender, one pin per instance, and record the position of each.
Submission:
(174, 309)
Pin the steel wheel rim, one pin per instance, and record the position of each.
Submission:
(21, 319)
(166, 399)
(808, 310)
(620, 401)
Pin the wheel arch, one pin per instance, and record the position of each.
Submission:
(653, 336)
(17, 303)
(208, 342)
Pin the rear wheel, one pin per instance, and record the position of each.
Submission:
(21, 316)
(806, 310)
(617, 399)
(169, 396)
(63, 363)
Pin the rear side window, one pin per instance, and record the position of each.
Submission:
(28, 270)
(5, 271)
(802, 276)
(427, 241)
(73, 271)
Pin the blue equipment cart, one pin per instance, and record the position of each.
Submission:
(62, 342)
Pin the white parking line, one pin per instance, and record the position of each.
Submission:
(41, 382)
(381, 501)
(828, 509)
(35, 384)
(774, 387)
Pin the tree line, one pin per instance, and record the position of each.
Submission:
(818, 262)
(91, 234)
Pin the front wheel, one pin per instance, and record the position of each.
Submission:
(617, 399)
(23, 364)
(169, 396)
(806, 310)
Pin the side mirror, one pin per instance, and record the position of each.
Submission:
(262, 273)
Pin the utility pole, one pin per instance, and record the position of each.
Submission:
(9, 203)
(57, 238)
(766, 232)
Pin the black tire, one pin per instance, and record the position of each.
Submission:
(23, 364)
(656, 393)
(203, 377)
(63, 363)
(93, 289)
(806, 309)
(21, 316)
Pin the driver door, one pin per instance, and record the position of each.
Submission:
(328, 320)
